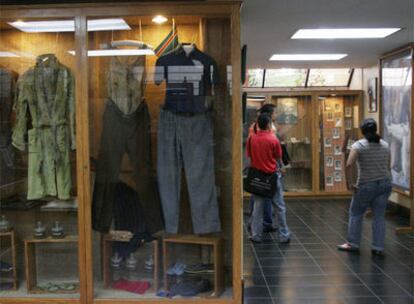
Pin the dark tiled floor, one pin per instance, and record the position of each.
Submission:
(311, 270)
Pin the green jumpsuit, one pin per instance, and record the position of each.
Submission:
(45, 102)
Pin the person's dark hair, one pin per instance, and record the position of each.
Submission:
(267, 109)
(369, 130)
(264, 121)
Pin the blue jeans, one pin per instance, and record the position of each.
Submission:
(278, 203)
(375, 195)
(268, 221)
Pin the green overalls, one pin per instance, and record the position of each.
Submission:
(45, 99)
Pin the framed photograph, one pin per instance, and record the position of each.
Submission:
(328, 107)
(335, 133)
(287, 111)
(348, 124)
(338, 177)
(329, 181)
(337, 150)
(372, 95)
(348, 111)
(337, 107)
(328, 142)
(329, 116)
(329, 161)
(338, 122)
(396, 102)
(338, 165)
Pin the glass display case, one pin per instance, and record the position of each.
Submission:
(121, 128)
(38, 182)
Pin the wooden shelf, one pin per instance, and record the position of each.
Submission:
(217, 247)
(12, 239)
(30, 262)
(106, 256)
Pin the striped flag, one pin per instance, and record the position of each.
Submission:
(169, 44)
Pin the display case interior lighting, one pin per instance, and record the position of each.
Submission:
(116, 52)
(344, 33)
(8, 54)
(48, 26)
(159, 19)
(306, 57)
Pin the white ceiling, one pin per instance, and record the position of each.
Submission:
(267, 26)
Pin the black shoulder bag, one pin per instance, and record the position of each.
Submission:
(258, 182)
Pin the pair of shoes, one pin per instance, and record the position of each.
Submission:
(347, 247)
(176, 269)
(287, 241)
(149, 263)
(255, 239)
(378, 253)
(199, 268)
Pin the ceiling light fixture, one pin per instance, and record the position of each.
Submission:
(344, 33)
(306, 57)
(159, 19)
(125, 52)
(69, 25)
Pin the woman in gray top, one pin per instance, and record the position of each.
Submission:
(372, 188)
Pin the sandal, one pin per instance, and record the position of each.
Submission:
(347, 247)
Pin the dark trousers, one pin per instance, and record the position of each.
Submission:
(125, 134)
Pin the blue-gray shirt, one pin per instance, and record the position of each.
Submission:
(373, 159)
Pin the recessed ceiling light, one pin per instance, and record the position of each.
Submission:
(124, 52)
(306, 57)
(69, 25)
(344, 33)
(159, 19)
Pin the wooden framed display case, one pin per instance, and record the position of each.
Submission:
(396, 114)
(8, 247)
(213, 26)
(306, 122)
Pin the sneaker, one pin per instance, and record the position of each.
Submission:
(5, 267)
(149, 263)
(176, 269)
(348, 247)
(199, 268)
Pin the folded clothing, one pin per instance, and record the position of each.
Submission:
(176, 269)
(190, 287)
(139, 287)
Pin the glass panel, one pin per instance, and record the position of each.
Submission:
(285, 78)
(160, 141)
(294, 129)
(38, 205)
(329, 77)
(255, 78)
(339, 130)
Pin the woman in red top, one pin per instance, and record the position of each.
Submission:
(264, 151)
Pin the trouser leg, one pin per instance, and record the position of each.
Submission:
(257, 217)
(107, 173)
(280, 205)
(169, 166)
(356, 213)
(196, 138)
(139, 152)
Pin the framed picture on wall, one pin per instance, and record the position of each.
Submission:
(372, 95)
(287, 111)
(396, 80)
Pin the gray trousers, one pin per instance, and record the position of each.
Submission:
(187, 141)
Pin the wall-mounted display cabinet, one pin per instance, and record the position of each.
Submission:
(121, 135)
(317, 128)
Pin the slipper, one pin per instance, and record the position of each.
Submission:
(347, 247)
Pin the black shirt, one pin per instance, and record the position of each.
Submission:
(189, 80)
